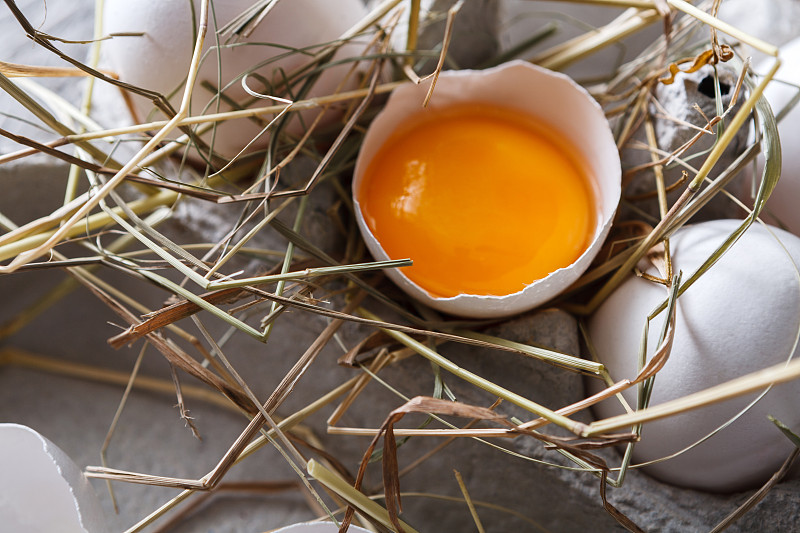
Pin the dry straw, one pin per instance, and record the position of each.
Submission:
(250, 186)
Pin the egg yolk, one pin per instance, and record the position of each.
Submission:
(483, 200)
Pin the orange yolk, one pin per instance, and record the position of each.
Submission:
(483, 200)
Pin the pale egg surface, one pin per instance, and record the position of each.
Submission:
(472, 208)
(158, 55)
(741, 316)
(784, 201)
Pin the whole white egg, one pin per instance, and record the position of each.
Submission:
(782, 206)
(739, 317)
(159, 58)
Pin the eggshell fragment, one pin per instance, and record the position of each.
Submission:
(553, 99)
(782, 206)
(317, 527)
(741, 316)
(42, 489)
(159, 59)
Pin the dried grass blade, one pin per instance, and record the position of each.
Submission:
(425, 404)
(618, 515)
(47, 149)
(245, 239)
(698, 62)
(755, 99)
(21, 358)
(583, 404)
(736, 123)
(759, 495)
(428, 353)
(90, 223)
(441, 445)
(723, 179)
(308, 247)
(352, 496)
(102, 192)
(580, 47)
(113, 426)
(209, 119)
(368, 343)
(640, 4)
(286, 424)
(263, 412)
(391, 481)
(724, 27)
(13, 70)
(39, 39)
(323, 311)
(753, 382)
(172, 313)
(337, 143)
(64, 107)
(413, 31)
(142, 479)
(180, 291)
(550, 356)
(184, 412)
(173, 353)
(659, 358)
(310, 273)
(792, 436)
(147, 234)
(468, 499)
(448, 33)
(46, 117)
(41, 224)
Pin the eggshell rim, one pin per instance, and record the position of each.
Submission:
(316, 527)
(87, 506)
(407, 99)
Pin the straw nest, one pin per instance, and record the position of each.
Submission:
(284, 243)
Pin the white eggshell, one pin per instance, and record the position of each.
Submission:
(159, 60)
(741, 316)
(554, 99)
(42, 489)
(774, 22)
(782, 206)
(317, 527)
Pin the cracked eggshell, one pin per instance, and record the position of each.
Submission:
(552, 98)
(317, 527)
(159, 59)
(43, 490)
(474, 35)
(741, 316)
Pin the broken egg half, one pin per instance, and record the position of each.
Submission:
(43, 490)
(501, 190)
